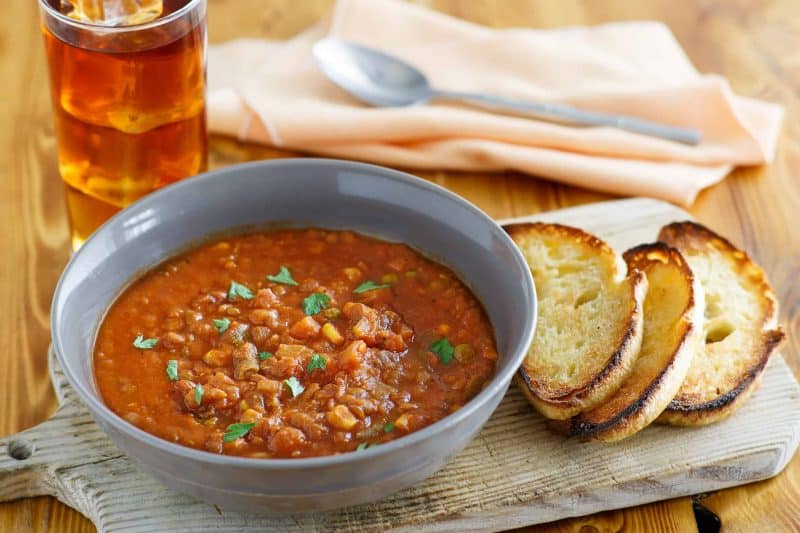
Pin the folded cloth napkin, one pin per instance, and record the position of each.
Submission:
(272, 92)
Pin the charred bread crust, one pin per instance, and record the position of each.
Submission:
(563, 403)
(619, 362)
(683, 413)
(683, 410)
(629, 418)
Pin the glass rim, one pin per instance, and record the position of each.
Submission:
(50, 11)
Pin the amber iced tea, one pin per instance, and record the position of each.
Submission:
(128, 102)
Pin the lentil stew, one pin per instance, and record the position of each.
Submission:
(293, 343)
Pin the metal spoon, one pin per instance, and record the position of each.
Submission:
(386, 81)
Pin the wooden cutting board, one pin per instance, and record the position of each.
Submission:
(513, 474)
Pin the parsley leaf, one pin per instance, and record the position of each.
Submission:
(264, 355)
(443, 349)
(237, 289)
(198, 394)
(172, 369)
(294, 386)
(283, 276)
(317, 361)
(221, 324)
(144, 344)
(236, 431)
(361, 447)
(370, 286)
(388, 427)
(315, 302)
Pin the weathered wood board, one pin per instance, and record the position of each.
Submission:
(514, 473)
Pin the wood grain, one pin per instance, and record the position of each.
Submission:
(751, 42)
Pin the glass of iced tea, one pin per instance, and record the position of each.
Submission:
(128, 86)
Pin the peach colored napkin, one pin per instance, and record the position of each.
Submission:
(272, 92)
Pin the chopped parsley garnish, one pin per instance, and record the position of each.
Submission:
(222, 324)
(443, 349)
(388, 427)
(283, 276)
(315, 302)
(240, 291)
(294, 386)
(198, 394)
(317, 361)
(370, 286)
(144, 344)
(236, 431)
(264, 355)
(361, 447)
(172, 369)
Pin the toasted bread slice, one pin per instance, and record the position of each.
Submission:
(673, 333)
(740, 327)
(589, 328)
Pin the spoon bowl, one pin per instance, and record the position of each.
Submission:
(370, 75)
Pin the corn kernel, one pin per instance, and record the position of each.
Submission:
(389, 278)
(330, 332)
(402, 422)
(352, 273)
(443, 329)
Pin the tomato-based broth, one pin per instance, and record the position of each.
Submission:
(293, 343)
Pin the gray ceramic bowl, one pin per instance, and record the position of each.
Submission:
(299, 192)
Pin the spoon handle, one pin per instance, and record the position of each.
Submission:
(579, 117)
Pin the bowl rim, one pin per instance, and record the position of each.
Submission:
(498, 382)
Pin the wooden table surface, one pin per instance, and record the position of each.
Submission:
(754, 43)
